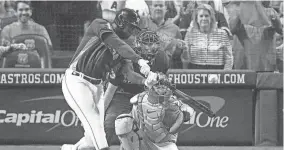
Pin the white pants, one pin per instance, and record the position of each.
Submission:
(84, 98)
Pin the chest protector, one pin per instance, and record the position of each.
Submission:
(150, 118)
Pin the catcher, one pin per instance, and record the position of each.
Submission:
(156, 119)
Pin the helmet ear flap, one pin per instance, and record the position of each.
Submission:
(120, 21)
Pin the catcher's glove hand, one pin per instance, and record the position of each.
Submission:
(187, 111)
(176, 114)
(174, 117)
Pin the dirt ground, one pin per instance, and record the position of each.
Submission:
(57, 147)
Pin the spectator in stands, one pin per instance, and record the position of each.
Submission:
(139, 6)
(25, 25)
(220, 18)
(25, 58)
(279, 43)
(186, 16)
(167, 30)
(279, 52)
(256, 33)
(7, 15)
(173, 11)
(275, 4)
(209, 46)
(110, 7)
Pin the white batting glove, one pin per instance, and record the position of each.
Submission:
(145, 68)
(151, 80)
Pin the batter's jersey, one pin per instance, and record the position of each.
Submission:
(100, 50)
(160, 64)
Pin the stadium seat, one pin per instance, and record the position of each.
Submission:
(41, 45)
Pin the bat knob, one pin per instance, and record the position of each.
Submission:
(212, 115)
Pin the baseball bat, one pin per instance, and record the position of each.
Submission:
(163, 79)
(188, 99)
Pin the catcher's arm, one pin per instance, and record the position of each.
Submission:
(176, 115)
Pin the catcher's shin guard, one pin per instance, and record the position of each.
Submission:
(125, 130)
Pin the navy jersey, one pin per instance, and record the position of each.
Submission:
(100, 50)
(160, 64)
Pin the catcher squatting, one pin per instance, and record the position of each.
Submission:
(102, 56)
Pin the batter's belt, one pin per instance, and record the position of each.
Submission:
(87, 78)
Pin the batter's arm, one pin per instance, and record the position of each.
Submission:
(131, 75)
(104, 30)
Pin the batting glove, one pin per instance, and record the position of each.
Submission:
(151, 80)
(145, 68)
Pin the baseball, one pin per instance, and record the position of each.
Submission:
(212, 78)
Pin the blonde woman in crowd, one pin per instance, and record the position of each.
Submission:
(209, 47)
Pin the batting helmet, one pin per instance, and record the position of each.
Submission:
(127, 17)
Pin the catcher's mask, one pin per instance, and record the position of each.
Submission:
(161, 92)
(127, 21)
(148, 44)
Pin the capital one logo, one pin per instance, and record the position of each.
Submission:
(201, 120)
(58, 117)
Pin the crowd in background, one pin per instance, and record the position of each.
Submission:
(220, 34)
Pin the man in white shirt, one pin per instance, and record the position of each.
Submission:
(138, 5)
(110, 7)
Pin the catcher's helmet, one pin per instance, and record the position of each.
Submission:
(161, 91)
(127, 17)
(148, 43)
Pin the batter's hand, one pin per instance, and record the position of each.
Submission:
(145, 68)
(151, 80)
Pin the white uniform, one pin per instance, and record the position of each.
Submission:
(85, 98)
(85, 107)
(110, 7)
